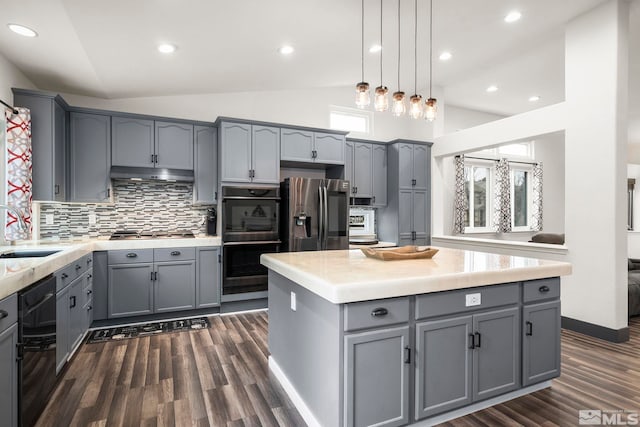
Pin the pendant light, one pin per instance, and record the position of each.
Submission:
(415, 102)
(363, 99)
(381, 102)
(398, 107)
(431, 108)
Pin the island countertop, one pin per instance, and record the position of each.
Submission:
(349, 276)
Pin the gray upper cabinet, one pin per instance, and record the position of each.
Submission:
(312, 147)
(173, 145)
(208, 277)
(205, 189)
(421, 166)
(132, 142)
(175, 286)
(48, 142)
(130, 289)
(249, 153)
(89, 157)
(9, 375)
(376, 370)
(362, 170)
(266, 154)
(405, 169)
(349, 147)
(379, 183)
(540, 342)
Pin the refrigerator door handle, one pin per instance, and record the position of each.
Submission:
(320, 219)
(326, 219)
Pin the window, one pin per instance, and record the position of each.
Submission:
(521, 198)
(519, 150)
(478, 188)
(357, 122)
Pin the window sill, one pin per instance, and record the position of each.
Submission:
(502, 244)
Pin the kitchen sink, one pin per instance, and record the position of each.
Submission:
(28, 253)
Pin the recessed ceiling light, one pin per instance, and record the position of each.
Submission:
(445, 56)
(286, 50)
(375, 48)
(513, 16)
(534, 98)
(492, 88)
(22, 30)
(166, 48)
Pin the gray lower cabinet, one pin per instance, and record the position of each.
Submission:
(173, 145)
(132, 142)
(62, 328)
(205, 187)
(9, 375)
(49, 120)
(175, 286)
(89, 157)
(540, 342)
(76, 313)
(130, 289)
(376, 379)
(208, 277)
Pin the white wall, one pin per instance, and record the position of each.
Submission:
(459, 118)
(296, 107)
(10, 77)
(633, 242)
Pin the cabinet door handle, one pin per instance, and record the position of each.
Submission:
(414, 182)
(89, 276)
(78, 267)
(153, 159)
(132, 255)
(175, 253)
(544, 289)
(379, 312)
(3, 314)
(72, 302)
(57, 189)
(108, 193)
(89, 261)
(407, 354)
(373, 199)
(156, 158)
(155, 275)
(89, 292)
(477, 334)
(64, 275)
(529, 329)
(472, 342)
(89, 308)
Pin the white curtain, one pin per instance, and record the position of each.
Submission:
(17, 160)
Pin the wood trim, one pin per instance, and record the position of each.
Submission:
(596, 331)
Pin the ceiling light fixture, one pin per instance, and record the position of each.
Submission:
(492, 88)
(415, 102)
(375, 48)
(363, 99)
(534, 98)
(431, 107)
(286, 50)
(398, 108)
(22, 30)
(381, 102)
(166, 48)
(512, 16)
(445, 56)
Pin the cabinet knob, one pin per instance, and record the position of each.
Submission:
(64, 275)
(78, 267)
(89, 276)
(544, 289)
(89, 260)
(379, 312)
(132, 255)
(89, 292)
(175, 253)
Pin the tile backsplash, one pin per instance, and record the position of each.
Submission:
(138, 205)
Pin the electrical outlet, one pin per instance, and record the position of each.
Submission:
(48, 219)
(473, 299)
(293, 301)
(92, 219)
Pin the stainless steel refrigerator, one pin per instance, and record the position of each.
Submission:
(314, 214)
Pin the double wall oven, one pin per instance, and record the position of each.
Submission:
(250, 228)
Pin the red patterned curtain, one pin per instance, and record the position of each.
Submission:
(18, 172)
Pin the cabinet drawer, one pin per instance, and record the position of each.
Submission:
(65, 276)
(8, 311)
(372, 314)
(87, 288)
(174, 254)
(450, 302)
(132, 256)
(539, 290)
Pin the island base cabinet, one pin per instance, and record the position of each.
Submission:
(170, 297)
(377, 378)
(496, 356)
(130, 290)
(443, 365)
(540, 342)
(9, 376)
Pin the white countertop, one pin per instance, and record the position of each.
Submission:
(349, 276)
(377, 245)
(18, 273)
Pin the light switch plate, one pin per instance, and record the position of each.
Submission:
(48, 219)
(473, 299)
(293, 301)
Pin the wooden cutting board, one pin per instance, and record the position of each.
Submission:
(404, 252)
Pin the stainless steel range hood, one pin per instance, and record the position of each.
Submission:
(156, 174)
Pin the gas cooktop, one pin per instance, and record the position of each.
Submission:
(132, 235)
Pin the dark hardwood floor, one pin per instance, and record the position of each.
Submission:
(219, 377)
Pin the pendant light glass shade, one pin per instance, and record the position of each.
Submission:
(398, 107)
(381, 102)
(415, 107)
(363, 99)
(431, 109)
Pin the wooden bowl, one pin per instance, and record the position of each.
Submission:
(404, 252)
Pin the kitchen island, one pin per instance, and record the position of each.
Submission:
(357, 341)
